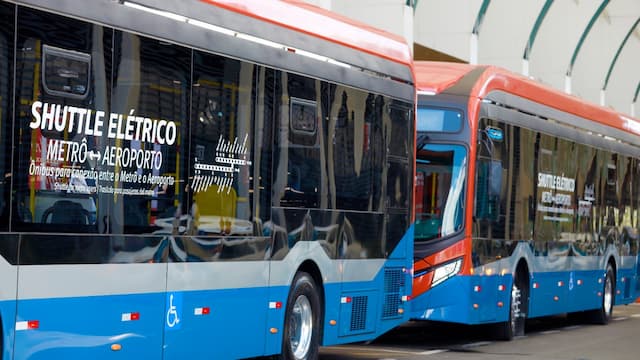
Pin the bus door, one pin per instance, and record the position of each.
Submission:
(216, 291)
(218, 271)
(206, 323)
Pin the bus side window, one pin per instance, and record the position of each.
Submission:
(488, 189)
(489, 174)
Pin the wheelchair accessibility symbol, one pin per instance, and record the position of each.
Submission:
(174, 306)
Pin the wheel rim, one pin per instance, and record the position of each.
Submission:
(301, 327)
(515, 307)
(608, 295)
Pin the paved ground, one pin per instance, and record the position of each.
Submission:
(549, 338)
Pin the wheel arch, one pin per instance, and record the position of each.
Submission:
(310, 267)
(612, 261)
(523, 273)
(522, 268)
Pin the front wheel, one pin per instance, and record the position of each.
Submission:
(515, 326)
(301, 338)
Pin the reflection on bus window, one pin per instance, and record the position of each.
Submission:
(439, 120)
(220, 184)
(440, 183)
(302, 144)
(65, 73)
(54, 175)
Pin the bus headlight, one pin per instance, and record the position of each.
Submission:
(446, 271)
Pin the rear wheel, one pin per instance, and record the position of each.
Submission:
(604, 313)
(301, 337)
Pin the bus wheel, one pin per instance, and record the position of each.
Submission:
(516, 323)
(302, 321)
(604, 313)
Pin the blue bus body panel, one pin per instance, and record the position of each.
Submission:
(203, 324)
(454, 300)
(374, 307)
(8, 311)
(232, 326)
(360, 318)
(478, 299)
(86, 327)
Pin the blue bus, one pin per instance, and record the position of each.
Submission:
(200, 179)
(527, 201)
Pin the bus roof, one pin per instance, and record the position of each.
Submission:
(437, 77)
(315, 21)
(262, 32)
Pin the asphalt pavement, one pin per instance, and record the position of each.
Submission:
(555, 338)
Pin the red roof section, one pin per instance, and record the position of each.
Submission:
(434, 77)
(312, 20)
(437, 77)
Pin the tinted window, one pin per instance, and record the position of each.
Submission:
(352, 148)
(299, 152)
(439, 120)
(398, 138)
(222, 145)
(397, 185)
(62, 108)
(65, 73)
(143, 147)
(6, 84)
(564, 197)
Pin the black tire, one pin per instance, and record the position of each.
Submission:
(515, 325)
(603, 315)
(301, 335)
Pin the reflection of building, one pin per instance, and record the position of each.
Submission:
(344, 139)
(357, 148)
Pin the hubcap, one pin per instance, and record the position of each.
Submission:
(608, 295)
(301, 327)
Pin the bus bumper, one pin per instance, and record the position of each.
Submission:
(466, 300)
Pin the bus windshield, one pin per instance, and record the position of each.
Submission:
(440, 183)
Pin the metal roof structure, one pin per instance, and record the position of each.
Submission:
(588, 48)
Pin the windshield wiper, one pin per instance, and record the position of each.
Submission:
(421, 141)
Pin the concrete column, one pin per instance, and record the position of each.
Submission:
(473, 49)
(567, 84)
(408, 26)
